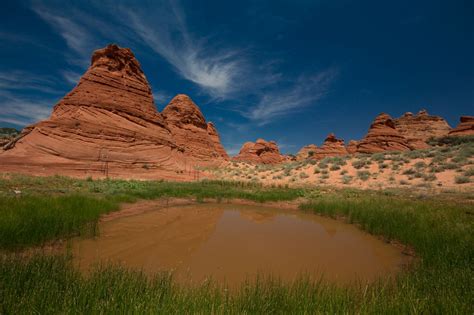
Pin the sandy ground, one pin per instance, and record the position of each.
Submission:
(370, 176)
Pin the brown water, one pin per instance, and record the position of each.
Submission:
(231, 243)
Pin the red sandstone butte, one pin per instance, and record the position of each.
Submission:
(332, 146)
(465, 127)
(383, 136)
(107, 124)
(260, 152)
(198, 140)
(419, 128)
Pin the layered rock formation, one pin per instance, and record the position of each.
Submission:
(419, 128)
(197, 139)
(108, 123)
(382, 136)
(261, 152)
(306, 152)
(216, 139)
(332, 146)
(352, 146)
(465, 127)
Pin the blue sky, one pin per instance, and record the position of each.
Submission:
(289, 71)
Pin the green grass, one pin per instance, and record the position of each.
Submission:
(55, 207)
(442, 235)
(440, 229)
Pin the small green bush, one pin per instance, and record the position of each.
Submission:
(363, 175)
(462, 179)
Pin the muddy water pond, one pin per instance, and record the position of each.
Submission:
(231, 243)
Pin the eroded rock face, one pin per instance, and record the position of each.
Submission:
(306, 152)
(216, 139)
(465, 127)
(383, 136)
(109, 117)
(352, 146)
(198, 140)
(419, 128)
(332, 146)
(261, 152)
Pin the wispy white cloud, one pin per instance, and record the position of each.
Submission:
(71, 76)
(221, 71)
(307, 90)
(23, 111)
(27, 81)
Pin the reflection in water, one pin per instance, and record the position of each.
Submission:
(233, 242)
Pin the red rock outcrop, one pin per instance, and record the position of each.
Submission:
(352, 146)
(419, 128)
(332, 146)
(261, 152)
(108, 120)
(216, 139)
(306, 152)
(198, 140)
(383, 136)
(465, 127)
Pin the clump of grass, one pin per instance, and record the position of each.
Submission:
(363, 175)
(358, 164)
(378, 157)
(346, 179)
(461, 179)
(469, 172)
(303, 175)
(334, 167)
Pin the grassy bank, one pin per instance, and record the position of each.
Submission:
(441, 232)
(55, 207)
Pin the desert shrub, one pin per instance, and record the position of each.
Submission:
(316, 170)
(419, 165)
(404, 182)
(325, 176)
(358, 164)
(469, 172)
(346, 179)
(429, 177)
(378, 157)
(395, 166)
(451, 140)
(323, 164)
(383, 165)
(343, 172)
(451, 166)
(409, 171)
(363, 175)
(416, 154)
(303, 175)
(334, 167)
(461, 179)
(324, 172)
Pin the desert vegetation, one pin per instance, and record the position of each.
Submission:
(447, 164)
(438, 230)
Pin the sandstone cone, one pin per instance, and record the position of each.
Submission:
(198, 140)
(383, 136)
(262, 152)
(108, 118)
(465, 127)
(352, 146)
(419, 128)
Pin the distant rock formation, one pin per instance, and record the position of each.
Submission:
(465, 127)
(109, 123)
(261, 152)
(383, 136)
(332, 146)
(419, 128)
(352, 146)
(197, 139)
(306, 152)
